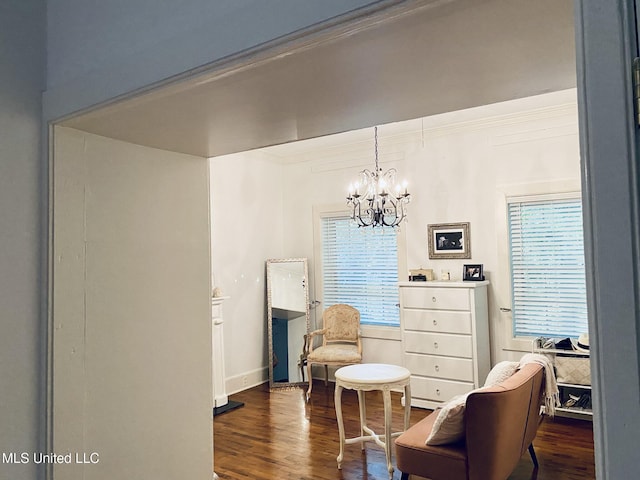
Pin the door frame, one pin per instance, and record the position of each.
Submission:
(606, 45)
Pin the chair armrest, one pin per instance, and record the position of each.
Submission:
(309, 339)
(305, 350)
(316, 332)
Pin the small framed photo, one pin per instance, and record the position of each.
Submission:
(421, 275)
(472, 273)
(449, 240)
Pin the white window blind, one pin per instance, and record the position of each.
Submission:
(360, 268)
(547, 268)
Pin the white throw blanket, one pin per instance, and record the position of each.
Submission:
(551, 393)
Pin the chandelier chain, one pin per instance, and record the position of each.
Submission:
(375, 134)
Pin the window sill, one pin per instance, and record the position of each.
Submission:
(519, 344)
(381, 332)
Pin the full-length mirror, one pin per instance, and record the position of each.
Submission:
(288, 320)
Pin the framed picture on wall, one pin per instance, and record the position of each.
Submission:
(449, 240)
(472, 273)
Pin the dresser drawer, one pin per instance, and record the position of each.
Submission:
(437, 390)
(438, 344)
(436, 298)
(436, 321)
(440, 367)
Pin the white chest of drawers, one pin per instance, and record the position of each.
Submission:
(445, 338)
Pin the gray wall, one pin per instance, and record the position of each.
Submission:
(22, 24)
(99, 50)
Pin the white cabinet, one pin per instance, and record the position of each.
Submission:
(445, 338)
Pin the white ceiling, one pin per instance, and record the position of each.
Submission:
(434, 57)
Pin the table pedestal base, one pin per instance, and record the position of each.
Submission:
(367, 377)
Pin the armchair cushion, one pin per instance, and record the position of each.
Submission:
(448, 426)
(335, 352)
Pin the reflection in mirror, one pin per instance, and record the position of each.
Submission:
(288, 320)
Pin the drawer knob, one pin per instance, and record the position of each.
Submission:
(435, 322)
(438, 391)
(435, 344)
(437, 368)
(434, 299)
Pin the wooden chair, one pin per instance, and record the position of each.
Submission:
(341, 343)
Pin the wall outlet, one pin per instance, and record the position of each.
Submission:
(245, 381)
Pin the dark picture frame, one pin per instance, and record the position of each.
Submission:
(472, 273)
(449, 240)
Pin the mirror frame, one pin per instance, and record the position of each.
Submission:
(284, 385)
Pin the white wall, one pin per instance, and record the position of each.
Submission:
(22, 61)
(246, 229)
(100, 50)
(456, 165)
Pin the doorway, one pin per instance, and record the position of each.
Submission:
(344, 93)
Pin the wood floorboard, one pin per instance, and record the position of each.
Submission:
(280, 436)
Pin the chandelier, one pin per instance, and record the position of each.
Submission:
(376, 200)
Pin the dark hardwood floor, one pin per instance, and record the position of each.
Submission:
(280, 436)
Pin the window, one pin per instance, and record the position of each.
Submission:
(360, 268)
(547, 267)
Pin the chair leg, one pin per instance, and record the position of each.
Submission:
(326, 375)
(534, 459)
(310, 381)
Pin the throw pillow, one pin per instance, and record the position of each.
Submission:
(449, 424)
(500, 373)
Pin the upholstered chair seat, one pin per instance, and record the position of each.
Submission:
(335, 353)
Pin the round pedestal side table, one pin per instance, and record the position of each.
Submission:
(365, 377)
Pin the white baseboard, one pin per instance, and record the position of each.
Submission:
(246, 380)
(251, 379)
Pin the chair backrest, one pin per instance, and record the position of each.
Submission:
(341, 323)
(501, 422)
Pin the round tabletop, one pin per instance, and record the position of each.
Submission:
(372, 373)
